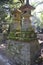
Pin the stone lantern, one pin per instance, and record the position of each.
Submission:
(17, 18)
(34, 46)
(26, 13)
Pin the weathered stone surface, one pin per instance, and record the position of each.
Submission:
(25, 52)
(4, 60)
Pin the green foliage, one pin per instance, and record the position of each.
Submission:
(41, 16)
(2, 14)
(6, 1)
(22, 1)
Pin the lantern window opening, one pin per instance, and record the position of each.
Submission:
(15, 15)
(25, 12)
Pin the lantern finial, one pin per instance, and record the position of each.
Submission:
(27, 2)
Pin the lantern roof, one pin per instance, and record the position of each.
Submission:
(16, 10)
(27, 6)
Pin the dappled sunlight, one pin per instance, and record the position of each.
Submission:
(40, 41)
(2, 46)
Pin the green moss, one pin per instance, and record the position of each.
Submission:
(23, 35)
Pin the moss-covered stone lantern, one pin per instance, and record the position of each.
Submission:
(17, 17)
(26, 13)
(30, 34)
(17, 14)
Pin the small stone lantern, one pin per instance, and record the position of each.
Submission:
(26, 13)
(33, 44)
(17, 18)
